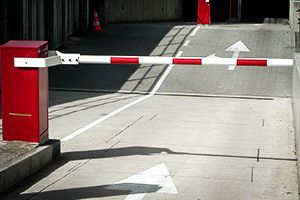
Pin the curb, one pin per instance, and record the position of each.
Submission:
(31, 163)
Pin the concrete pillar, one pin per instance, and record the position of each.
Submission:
(25, 20)
(41, 20)
(239, 11)
(85, 15)
(32, 24)
(294, 15)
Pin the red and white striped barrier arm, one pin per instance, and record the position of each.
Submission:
(73, 59)
(184, 61)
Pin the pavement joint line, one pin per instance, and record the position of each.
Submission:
(169, 94)
(59, 179)
(112, 146)
(122, 131)
(153, 117)
(97, 90)
(252, 175)
(122, 108)
(215, 96)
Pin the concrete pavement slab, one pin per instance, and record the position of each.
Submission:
(219, 122)
(213, 148)
(263, 41)
(68, 117)
(205, 178)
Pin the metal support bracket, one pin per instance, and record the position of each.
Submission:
(68, 58)
(55, 58)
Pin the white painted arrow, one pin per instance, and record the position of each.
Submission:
(236, 48)
(156, 179)
(212, 56)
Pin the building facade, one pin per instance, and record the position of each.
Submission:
(55, 20)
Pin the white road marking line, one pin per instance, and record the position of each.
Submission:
(186, 43)
(102, 119)
(231, 68)
(195, 31)
(164, 76)
(117, 111)
(179, 54)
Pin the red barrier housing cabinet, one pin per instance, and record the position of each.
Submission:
(24, 93)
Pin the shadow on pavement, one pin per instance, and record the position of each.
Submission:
(93, 192)
(131, 151)
(116, 39)
(83, 106)
(98, 191)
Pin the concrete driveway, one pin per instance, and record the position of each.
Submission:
(171, 132)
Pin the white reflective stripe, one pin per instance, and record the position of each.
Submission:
(280, 62)
(154, 60)
(219, 61)
(94, 59)
(30, 62)
(96, 23)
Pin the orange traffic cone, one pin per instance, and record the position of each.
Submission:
(96, 24)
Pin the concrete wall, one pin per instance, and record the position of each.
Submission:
(296, 104)
(64, 20)
(294, 15)
(10, 21)
(52, 20)
(142, 10)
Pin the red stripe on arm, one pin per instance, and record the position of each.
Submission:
(249, 62)
(187, 61)
(120, 60)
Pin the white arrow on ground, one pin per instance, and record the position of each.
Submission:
(236, 48)
(156, 179)
(212, 56)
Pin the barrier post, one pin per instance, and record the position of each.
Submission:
(24, 93)
(203, 12)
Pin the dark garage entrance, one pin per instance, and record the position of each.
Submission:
(238, 10)
(250, 10)
(258, 10)
(220, 10)
(189, 10)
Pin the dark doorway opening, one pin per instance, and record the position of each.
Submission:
(258, 10)
(220, 10)
(190, 10)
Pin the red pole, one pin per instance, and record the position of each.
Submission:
(203, 12)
